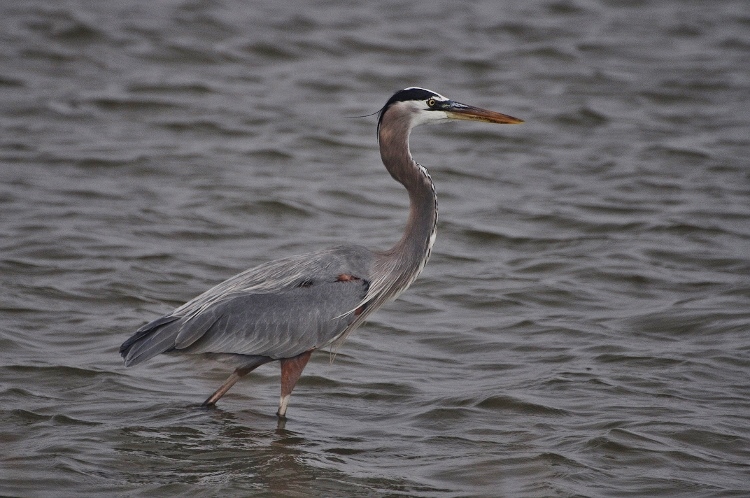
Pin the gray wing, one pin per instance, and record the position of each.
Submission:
(278, 325)
(278, 310)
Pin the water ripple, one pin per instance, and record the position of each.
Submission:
(581, 328)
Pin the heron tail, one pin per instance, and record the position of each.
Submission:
(150, 340)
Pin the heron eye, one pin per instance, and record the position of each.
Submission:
(431, 103)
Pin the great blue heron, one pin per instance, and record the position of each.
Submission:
(285, 309)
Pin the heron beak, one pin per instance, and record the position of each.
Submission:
(456, 110)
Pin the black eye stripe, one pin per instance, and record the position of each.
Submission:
(412, 94)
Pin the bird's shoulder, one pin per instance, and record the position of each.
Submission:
(342, 262)
(300, 270)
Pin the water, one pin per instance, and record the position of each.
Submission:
(583, 325)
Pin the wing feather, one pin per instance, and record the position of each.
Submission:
(282, 324)
(279, 309)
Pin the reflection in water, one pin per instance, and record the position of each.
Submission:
(217, 448)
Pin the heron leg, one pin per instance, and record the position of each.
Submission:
(236, 375)
(291, 369)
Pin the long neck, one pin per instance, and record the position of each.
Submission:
(406, 259)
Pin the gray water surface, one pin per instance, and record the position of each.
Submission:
(582, 329)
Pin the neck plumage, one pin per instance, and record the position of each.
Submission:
(405, 260)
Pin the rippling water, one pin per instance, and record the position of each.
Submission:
(582, 328)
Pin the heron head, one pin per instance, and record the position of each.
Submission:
(426, 106)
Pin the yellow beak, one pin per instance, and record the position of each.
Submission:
(457, 110)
